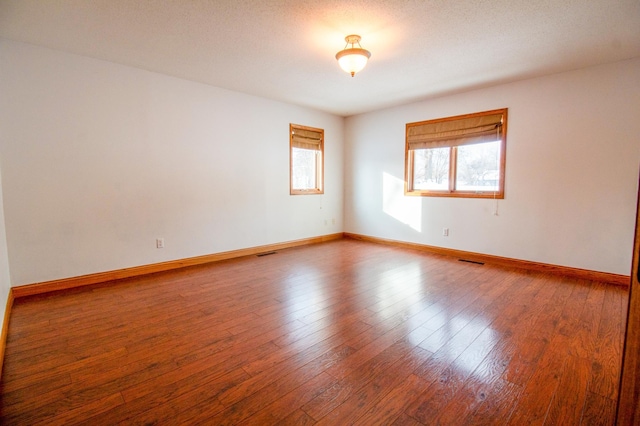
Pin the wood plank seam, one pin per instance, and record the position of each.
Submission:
(347, 332)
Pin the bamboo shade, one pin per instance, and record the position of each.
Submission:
(464, 131)
(306, 139)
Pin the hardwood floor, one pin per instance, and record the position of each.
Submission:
(339, 333)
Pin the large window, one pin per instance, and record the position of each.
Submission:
(306, 160)
(462, 156)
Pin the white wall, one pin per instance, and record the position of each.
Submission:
(5, 281)
(573, 149)
(99, 159)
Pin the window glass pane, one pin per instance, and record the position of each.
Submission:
(303, 168)
(478, 167)
(431, 168)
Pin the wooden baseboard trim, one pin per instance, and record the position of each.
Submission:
(100, 277)
(5, 328)
(622, 280)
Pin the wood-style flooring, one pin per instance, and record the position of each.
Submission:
(339, 333)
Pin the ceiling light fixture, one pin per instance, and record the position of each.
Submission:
(353, 59)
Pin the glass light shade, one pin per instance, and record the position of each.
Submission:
(353, 60)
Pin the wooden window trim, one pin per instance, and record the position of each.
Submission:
(319, 162)
(452, 191)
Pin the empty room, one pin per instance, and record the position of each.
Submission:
(296, 212)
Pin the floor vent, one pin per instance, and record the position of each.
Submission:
(266, 253)
(471, 261)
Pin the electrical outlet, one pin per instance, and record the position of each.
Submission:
(159, 242)
(445, 232)
(333, 221)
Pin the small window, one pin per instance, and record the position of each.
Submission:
(462, 156)
(306, 160)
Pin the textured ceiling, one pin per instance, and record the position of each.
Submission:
(284, 49)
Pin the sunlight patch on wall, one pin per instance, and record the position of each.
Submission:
(407, 210)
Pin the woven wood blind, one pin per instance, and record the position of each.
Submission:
(456, 132)
(306, 139)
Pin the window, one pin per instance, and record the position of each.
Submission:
(462, 156)
(306, 160)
